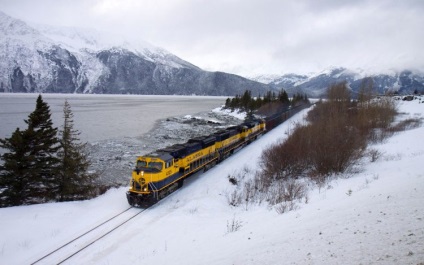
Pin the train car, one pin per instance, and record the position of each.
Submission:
(253, 129)
(160, 173)
(276, 119)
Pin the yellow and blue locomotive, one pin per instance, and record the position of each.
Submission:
(160, 173)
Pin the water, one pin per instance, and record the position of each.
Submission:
(102, 117)
(118, 128)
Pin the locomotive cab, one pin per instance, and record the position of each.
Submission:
(149, 169)
(148, 175)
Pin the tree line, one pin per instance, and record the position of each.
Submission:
(44, 164)
(250, 104)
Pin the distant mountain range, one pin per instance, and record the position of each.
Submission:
(315, 85)
(36, 58)
(46, 59)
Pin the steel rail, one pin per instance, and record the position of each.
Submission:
(73, 240)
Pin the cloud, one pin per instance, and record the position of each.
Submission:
(248, 37)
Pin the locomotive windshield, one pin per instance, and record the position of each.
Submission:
(141, 164)
(154, 165)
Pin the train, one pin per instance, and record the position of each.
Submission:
(160, 173)
(163, 171)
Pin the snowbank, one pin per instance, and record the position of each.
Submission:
(375, 216)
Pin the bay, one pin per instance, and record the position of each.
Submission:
(103, 117)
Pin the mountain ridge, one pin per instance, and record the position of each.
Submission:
(48, 59)
(53, 60)
(315, 85)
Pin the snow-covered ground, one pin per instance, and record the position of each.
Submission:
(373, 216)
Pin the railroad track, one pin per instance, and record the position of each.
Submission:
(85, 240)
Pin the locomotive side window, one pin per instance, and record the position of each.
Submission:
(157, 165)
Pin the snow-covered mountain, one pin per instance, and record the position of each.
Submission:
(315, 85)
(39, 58)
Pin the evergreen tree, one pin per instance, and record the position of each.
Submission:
(73, 178)
(44, 144)
(15, 179)
(258, 102)
(245, 100)
(28, 172)
(283, 96)
(227, 103)
(235, 102)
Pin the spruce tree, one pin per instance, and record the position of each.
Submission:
(29, 168)
(44, 144)
(283, 97)
(75, 182)
(245, 100)
(15, 179)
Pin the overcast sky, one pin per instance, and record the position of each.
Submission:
(250, 37)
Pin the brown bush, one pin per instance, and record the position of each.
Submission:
(407, 124)
(335, 138)
(335, 147)
(285, 160)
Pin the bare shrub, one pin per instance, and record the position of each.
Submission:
(339, 92)
(276, 193)
(286, 160)
(286, 207)
(374, 154)
(234, 225)
(366, 90)
(336, 137)
(234, 198)
(248, 194)
(339, 129)
(236, 178)
(335, 147)
(258, 186)
(379, 135)
(260, 182)
(295, 190)
(375, 114)
(334, 142)
(284, 191)
(407, 124)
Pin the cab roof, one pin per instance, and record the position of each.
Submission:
(161, 155)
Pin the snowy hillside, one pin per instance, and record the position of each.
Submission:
(82, 40)
(316, 84)
(40, 58)
(373, 216)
